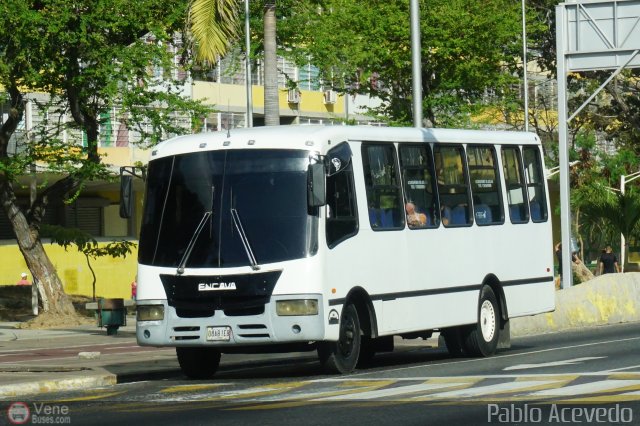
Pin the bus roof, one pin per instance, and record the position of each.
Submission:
(322, 138)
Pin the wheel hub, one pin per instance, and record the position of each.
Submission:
(487, 320)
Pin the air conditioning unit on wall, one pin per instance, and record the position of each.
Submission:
(293, 96)
(330, 97)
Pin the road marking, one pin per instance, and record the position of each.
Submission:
(395, 391)
(359, 386)
(589, 388)
(508, 387)
(193, 388)
(552, 363)
(91, 397)
(620, 369)
(606, 342)
(259, 391)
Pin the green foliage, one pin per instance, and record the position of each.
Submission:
(214, 24)
(365, 47)
(620, 211)
(85, 243)
(89, 57)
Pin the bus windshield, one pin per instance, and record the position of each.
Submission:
(266, 190)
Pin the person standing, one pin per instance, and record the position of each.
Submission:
(134, 288)
(23, 279)
(608, 263)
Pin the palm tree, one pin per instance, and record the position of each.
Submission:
(271, 104)
(215, 25)
(621, 211)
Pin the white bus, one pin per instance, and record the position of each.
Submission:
(338, 238)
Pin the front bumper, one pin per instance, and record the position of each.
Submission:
(266, 328)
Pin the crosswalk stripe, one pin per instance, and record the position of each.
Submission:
(395, 391)
(345, 389)
(586, 388)
(493, 389)
(193, 388)
(260, 391)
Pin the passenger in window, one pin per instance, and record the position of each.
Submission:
(414, 218)
(445, 213)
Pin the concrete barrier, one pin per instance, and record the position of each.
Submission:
(607, 299)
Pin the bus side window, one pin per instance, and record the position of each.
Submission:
(453, 189)
(416, 163)
(342, 217)
(513, 177)
(485, 185)
(384, 199)
(535, 184)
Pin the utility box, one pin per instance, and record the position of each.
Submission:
(111, 314)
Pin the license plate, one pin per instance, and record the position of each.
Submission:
(219, 333)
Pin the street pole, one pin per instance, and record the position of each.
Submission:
(247, 60)
(524, 66)
(563, 153)
(33, 194)
(622, 241)
(416, 58)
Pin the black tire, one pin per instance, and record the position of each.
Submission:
(341, 357)
(197, 362)
(482, 339)
(367, 351)
(453, 339)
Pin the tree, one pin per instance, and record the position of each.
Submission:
(214, 26)
(87, 57)
(271, 102)
(468, 49)
(621, 211)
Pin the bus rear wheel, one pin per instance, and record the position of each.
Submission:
(342, 356)
(482, 339)
(198, 363)
(453, 340)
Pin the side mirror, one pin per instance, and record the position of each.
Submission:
(126, 201)
(316, 196)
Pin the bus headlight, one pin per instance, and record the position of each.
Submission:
(150, 312)
(297, 307)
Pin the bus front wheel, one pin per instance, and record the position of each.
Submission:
(342, 356)
(482, 339)
(197, 362)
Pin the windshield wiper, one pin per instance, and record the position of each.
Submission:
(244, 239)
(192, 243)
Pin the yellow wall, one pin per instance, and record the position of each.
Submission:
(234, 95)
(113, 276)
(125, 156)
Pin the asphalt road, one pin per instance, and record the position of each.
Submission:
(590, 377)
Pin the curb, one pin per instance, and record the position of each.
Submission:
(101, 378)
(8, 336)
(605, 300)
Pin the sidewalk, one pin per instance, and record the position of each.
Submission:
(50, 360)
